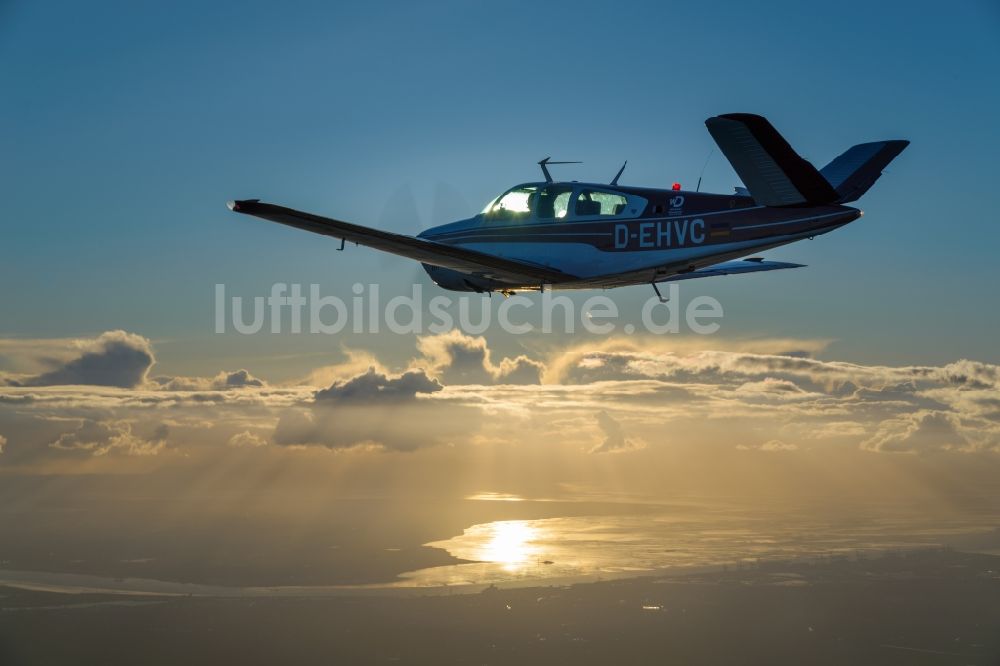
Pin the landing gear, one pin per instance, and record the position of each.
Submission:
(658, 294)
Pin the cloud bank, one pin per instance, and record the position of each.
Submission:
(98, 401)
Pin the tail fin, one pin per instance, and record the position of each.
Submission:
(771, 170)
(777, 176)
(854, 172)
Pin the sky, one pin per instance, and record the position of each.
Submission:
(125, 128)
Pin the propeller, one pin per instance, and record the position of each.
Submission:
(399, 215)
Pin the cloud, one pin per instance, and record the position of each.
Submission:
(461, 359)
(247, 439)
(237, 379)
(919, 409)
(920, 432)
(561, 363)
(770, 446)
(615, 440)
(100, 438)
(115, 358)
(773, 389)
(836, 429)
(374, 387)
(972, 374)
(374, 409)
(221, 382)
(809, 373)
(356, 362)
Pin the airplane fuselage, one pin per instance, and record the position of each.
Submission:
(656, 234)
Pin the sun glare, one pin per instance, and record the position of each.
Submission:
(510, 544)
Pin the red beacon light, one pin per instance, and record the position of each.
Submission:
(676, 187)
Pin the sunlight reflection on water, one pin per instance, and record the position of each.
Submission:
(509, 543)
(594, 546)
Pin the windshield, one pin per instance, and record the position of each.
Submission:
(514, 203)
(546, 203)
(557, 201)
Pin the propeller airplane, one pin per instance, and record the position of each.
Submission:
(570, 235)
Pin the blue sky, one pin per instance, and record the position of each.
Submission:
(125, 128)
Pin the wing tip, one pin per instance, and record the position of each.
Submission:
(237, 205)
(782, 264)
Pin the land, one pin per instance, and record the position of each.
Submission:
(933, 606)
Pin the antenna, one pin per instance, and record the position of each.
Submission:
(710, 153)
(546, 161)
(619, 175)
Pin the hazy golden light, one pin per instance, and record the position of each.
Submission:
(495, 497)
(510, 543)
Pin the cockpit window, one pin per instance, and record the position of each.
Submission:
(595, 202)
(553, 202)
(557, 201)
(518, 202)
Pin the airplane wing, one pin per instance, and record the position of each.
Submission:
(751, 265)
(425, 251)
